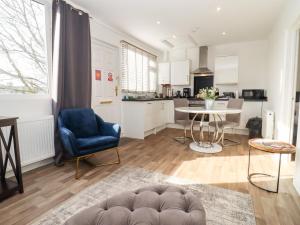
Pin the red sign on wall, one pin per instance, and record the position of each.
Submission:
(98, 74)
(110, 76)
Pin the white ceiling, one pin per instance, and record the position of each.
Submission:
(192, 21)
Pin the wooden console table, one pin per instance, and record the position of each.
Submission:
(10, 186)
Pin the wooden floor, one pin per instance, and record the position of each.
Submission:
(48, 186)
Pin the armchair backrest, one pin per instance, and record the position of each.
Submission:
(82, 122)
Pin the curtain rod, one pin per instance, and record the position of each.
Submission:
(138, 47)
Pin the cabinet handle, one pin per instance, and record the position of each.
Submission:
(106, 102)
(149, 103)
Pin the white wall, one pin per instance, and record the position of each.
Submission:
(25, 106)
(280, 87)
(280, 80)
(103, 32)
(298, 71)
(110, 35)
(253, 62)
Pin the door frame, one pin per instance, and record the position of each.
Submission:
(292, 67)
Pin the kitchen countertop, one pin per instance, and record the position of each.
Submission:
(146, 100)
(163, 99)
(256, 100)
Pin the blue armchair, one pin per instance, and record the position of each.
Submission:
(83, 133)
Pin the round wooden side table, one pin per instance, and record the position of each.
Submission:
(271, 146)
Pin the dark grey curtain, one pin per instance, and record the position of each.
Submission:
(71, 86)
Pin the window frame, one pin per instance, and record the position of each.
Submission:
(48, 28)
(150, 56)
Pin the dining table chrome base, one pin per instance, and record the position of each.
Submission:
(205, 147)
(202, 143)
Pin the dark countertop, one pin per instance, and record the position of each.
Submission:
(256, 100)
(146, 100)
(247, 100)
(192, 98)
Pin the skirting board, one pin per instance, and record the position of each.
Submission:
(296, 183)
(32, 166)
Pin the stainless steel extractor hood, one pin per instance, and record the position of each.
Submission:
(203, 69)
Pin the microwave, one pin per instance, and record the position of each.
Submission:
(253, 93)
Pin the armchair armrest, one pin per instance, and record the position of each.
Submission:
(108, 129)
(111, 129)
(69, 141)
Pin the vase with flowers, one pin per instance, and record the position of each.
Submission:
(209, 95)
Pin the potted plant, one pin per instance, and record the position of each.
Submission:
(209, 95)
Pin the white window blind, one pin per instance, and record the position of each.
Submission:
(139, 69)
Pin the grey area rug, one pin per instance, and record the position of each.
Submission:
(223, 207)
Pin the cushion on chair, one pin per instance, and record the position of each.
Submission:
(81, 122)
(155, 205)
(96, 141)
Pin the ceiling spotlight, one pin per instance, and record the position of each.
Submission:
(219, 9)
(224, 33)
(174, 36)
(157, 22)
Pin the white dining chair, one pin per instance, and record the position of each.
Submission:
(181, 118)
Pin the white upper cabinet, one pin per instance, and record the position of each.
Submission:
(180, 73)
(226, 70)
(164, 73)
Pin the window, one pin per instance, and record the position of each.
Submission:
(23, 46)
(139, 69)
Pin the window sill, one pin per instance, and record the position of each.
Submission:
(24, 96)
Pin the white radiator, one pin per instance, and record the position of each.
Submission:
(36, 139)
(268, 122)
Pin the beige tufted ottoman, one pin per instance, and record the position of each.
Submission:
(155, 205)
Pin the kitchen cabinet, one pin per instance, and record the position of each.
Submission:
(140, 119)
(169, 108)
(164, 73)
(161, 111)
(226, 70)
(180, 73)
(134, 120)
(150, 115)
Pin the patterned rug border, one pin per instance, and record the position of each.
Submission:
(171, 180)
